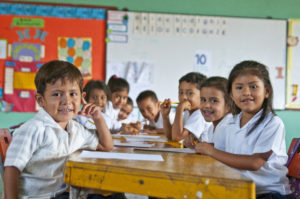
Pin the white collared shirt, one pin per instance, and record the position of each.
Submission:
(268, 135)
(159, 124)
(110, 111)
(39, 149)
(195, 123)
(216, 135)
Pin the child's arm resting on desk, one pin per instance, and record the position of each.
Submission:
(154, 131)
(104, 135)
(178, 132)
(244, 162)
(11, 182)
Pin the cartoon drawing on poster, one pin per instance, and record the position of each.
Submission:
(77, 51)
(26, 52)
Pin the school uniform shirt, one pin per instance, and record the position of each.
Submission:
(217, 136)
(110, 111)
(159, 124)
(268, 135)
(112, 125)
(195, 123)
(39, 150)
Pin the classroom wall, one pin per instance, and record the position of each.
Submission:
(277, 9)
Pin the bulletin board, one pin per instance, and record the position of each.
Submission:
(152, 50)
(32, 34)
(293, 65)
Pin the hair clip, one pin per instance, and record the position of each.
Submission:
(115, 77)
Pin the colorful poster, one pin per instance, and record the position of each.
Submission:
(29, 34)
(19, 87)
(77, 51)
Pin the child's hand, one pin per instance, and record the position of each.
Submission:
(184, 105)
(137, 125)
(204, 148)
(91, 111)
(147, 126)
(165, 108)
(190, 141)
(128, 129)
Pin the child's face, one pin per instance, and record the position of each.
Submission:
(149, 109)
(213, 106)
(98, 97)
(189, 91)
(119, 98)
(61, 101)
(248, 93)
(125, 111)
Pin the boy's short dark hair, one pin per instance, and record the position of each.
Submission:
(129, 101)
(96, 84)
(193, 77)
(54, 70)
(147, 94)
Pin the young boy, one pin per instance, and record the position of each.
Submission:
(150, 108)
(35, 159)
(125, 111)
(188, 119)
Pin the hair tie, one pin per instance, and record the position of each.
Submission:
(115, 77)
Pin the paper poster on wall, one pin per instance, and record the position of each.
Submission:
(202, 62)
(77, 51)
(138, 74)
(293, 81)
(3, 48)
(19, 87)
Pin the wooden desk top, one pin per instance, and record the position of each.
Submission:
(178, 176)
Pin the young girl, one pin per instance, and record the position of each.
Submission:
(255, 136)
(96, 92)
(119, 89)
(215, 105)
(188, 118)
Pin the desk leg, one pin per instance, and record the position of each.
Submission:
(77, 193)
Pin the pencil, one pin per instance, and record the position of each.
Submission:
(91, 122)
(171, 102)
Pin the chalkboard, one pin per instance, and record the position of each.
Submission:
(154, 50)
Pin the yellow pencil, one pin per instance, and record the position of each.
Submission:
(91, 122)
(171, 102)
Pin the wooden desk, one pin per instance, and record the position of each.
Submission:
(178, 176)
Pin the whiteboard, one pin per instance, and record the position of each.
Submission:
(152, 51)
(293, 80)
